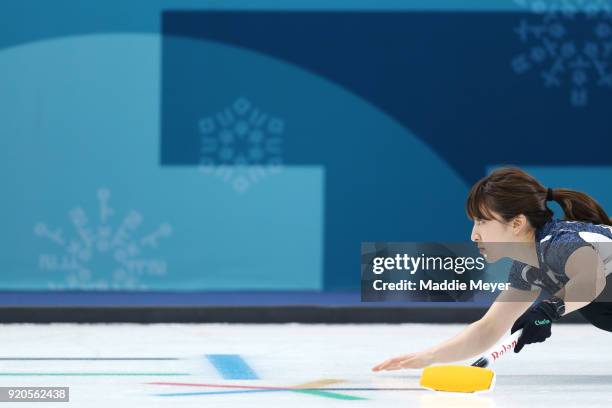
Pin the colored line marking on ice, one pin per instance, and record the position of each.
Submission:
(89, 358)
(315, 388)
(318, 383)
(312, 388)
(321, 392)
(232, 367)
(91, 374)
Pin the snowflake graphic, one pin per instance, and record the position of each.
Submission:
(117, 247)
(241, 144)
(566, 6)
(570, 42)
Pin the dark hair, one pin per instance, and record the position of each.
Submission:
(510, 191)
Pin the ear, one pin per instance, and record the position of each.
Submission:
(518, 224)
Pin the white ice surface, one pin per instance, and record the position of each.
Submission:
(572, 368)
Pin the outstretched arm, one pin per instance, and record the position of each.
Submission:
(475, 338)
(587, 280)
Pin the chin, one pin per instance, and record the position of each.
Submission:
(491, 258)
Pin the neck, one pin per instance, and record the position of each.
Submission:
(525, 250)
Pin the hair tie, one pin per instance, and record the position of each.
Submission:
(549, 195)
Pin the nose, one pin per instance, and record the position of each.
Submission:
(475, 236)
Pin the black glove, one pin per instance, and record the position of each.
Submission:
(537, 321)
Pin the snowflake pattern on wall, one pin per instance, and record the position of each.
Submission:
(118, 246)
(241, 144)
(566, 6)
(570, 43)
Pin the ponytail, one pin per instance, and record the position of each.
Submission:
(579, 206)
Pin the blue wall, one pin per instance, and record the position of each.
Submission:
(181, 146)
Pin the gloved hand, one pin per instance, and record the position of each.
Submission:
(537, 321)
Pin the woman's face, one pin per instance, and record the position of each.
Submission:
(492, 237)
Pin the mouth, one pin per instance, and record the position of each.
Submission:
(483, 251)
